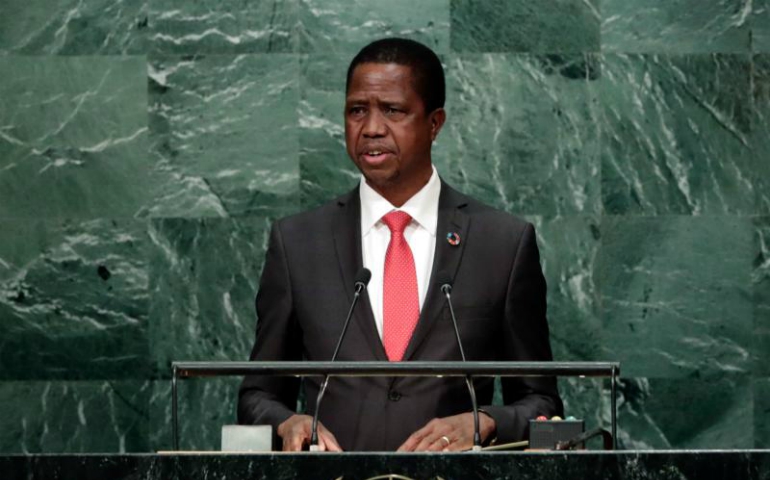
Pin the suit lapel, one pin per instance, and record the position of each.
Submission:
(347, 242)
(451, 219)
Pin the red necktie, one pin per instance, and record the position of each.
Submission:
(400, 306)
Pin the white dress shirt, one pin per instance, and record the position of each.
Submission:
(420, 234)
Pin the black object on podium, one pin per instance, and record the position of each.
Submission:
(546, 434)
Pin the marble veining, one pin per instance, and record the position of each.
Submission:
(680, 287)
(215, 27)
(74, 300)
(678, 26)
(73, 417)
(546, 26)
(204, 277)
(521, 134)
(73, 131)
(761, 295)
(327, 26)
(205, 405)
(224, 136)
(73, 27)
(760, 128)
(676, 134)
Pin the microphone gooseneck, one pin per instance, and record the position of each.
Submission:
(445, 280)
(362, 280)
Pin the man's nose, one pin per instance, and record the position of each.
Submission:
(374, 126)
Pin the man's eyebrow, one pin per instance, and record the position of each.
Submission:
(382, 101)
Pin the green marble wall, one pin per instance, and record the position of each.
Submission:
(145, 147)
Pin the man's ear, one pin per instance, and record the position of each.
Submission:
(437, 119)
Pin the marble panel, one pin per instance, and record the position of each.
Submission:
(345, 26)
(204, 406)
(676, 26)
(760, 130)
(204, 277)
(326, 171)
(760, 26)
(708, 412)
(73, 27)
(222, 26)
(73, 137)
(762, 412)
(545, 26)
(675, 294)
(588, 399)
(73, 299)
(676, 134)
(521, 134)
(654, 413)
(224, 135)
(761, 295)
(74, 417)
(568, 251)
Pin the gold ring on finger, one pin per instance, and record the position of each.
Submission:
(446, 439)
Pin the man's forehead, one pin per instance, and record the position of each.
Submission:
(376, 72)
(383, 66)
(382, 78)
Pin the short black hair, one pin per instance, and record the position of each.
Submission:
(427, 72)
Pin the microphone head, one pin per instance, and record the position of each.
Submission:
(362, 277)
(444, 280)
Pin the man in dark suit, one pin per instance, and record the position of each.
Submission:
(405, 225)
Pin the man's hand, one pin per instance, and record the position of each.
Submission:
(296, 430)
(457, 429)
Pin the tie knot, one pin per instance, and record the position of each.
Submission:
(397, 221)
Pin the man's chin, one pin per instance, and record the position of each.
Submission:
(379, 179)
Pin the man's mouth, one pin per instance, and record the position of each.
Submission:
(375, 156)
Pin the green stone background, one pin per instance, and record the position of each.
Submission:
(145, 147)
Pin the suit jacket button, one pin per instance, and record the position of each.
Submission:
(394, 396)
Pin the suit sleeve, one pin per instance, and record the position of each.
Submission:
(525, 338)
(270, 400)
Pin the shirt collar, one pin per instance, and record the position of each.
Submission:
(422, 207)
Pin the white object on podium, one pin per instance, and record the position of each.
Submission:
(247, 438)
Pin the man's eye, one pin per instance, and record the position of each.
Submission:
(392, 110)
(356, 110)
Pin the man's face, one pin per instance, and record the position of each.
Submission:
(387, 130)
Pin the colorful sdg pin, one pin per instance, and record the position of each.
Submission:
(453, 239)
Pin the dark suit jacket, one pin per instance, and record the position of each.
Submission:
(499, 297)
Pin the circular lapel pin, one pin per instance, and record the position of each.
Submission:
(453, 239)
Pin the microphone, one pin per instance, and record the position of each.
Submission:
(362, 280)
(445, 281)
